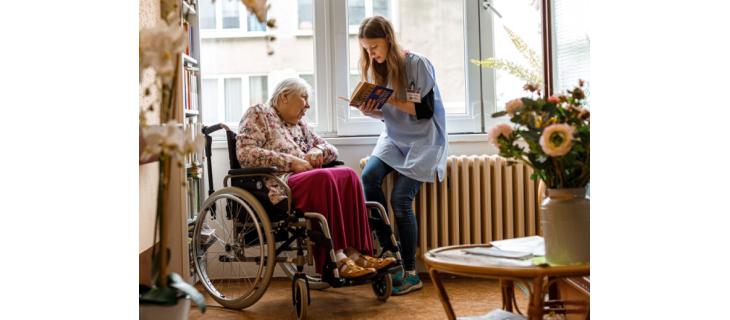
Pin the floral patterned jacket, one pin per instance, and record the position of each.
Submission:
(265, 140)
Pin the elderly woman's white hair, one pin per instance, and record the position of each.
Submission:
(288, 86)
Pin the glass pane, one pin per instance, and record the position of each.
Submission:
(236, 57)
(258, 91)
(232, 96)
(524, 22)
(305, 14)
(311, 115)
(254, 24)
(381, 8)
(210, 101)
(354, 80)
(445, 32)
(573, 46)
(230, 14)
(207, 14)
(355, 12)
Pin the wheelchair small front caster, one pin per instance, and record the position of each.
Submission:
(300, 297)
(383, 286)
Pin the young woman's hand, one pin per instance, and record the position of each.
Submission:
(300, 165)
(315, 157)
(368, 108)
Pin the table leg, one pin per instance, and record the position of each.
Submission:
(536, 308)
(508, 292)
(442, 293)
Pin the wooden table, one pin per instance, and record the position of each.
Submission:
(537, 279)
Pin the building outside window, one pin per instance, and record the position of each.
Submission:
(448, 32)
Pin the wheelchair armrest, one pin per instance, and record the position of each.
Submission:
(333, 164)
(234, 172)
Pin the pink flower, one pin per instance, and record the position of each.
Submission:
(557, 139)
(553, 99)
(501, 129)
(512, 106)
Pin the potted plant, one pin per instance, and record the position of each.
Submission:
(552, 136)
(160, 47)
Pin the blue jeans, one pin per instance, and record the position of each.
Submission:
(401, 200)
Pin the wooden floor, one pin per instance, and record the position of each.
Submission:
(469, 296)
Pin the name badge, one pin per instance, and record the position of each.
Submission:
(413, 94)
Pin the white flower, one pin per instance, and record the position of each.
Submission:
(513, 105)
(159, 47)
(170, 139)
(502, 129)
(557, 139)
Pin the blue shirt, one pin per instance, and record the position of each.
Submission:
(415, 147)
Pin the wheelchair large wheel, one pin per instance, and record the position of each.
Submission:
(233, 248)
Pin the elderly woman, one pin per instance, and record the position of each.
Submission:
(277, 136)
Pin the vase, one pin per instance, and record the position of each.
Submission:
(566, 226)
(179, 311)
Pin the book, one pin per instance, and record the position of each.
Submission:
(366, 90)
(498, 253)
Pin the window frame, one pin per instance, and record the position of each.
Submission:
(330, 35)
(240, 32)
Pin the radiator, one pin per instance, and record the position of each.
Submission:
(480, 199)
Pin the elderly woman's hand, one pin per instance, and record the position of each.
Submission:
(315, 156)
(300, 165)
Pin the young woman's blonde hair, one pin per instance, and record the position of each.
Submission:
(391, 71)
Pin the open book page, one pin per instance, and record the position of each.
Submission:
(533, 244)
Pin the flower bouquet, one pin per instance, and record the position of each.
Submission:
(552, 136)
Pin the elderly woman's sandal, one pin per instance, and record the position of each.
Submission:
(348, 269)
(375, 263)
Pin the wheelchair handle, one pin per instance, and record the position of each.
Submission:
(210, 129)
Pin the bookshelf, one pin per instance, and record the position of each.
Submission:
(190, 100)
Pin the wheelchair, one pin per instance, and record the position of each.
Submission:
(239, 236)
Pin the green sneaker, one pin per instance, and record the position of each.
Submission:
(411, 282)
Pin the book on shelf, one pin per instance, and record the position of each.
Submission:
(365, 91)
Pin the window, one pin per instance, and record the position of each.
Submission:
(254, 24)
(258, 90)
(210, 99)
(231, 18)
(524, 21)
(305, 14)
(239, 73)
(571, 50)
(232, 98)
(311, 115)
(449, 33)
(207, 15)
(355, 12)
(228, 19)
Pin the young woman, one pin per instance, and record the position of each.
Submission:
(414, 140)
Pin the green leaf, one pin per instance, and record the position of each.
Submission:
(178, 283)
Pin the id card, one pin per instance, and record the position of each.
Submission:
(413, 94)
